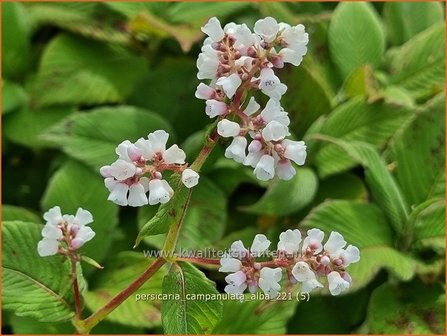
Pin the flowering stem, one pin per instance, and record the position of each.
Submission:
(205, 152)
(77, 295)
(198, 260)
(86, 325)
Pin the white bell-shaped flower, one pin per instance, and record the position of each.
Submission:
(265, 169)
(227, 128)
(295, 151)
(285, 170)
(229, 264)
(269, 279)
(230, 84)
(273, 111)
(253, 158)
(238, 250)
(302, 272)
(47, 247)
(122, 170)
(295, 36)
(289, 241)
(244, 37)
(53, 216)
(207, 63)
(158, 140)
(205, 92)
(252, 107)
(190, 178)
(159, 192)
(215, 108)
(270, 84)
(213, 29)
(309, 285)
(336, 283)
(174, 155)
(313, 240)
(118, 191)
(335, 244)
(84, 234)
(236, 150)
(145, 146)
(274, 131)
(236, 283)
(267, 29)
(292, 56)
(260, 245)
(137, 193)
(121, 150)
(51, 231)
(350, 255)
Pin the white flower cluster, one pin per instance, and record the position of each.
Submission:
(64, 233)
(139, 168)
(237, 62)
(305, 261)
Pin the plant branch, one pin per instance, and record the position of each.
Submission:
(198, 260)
(76, 293)
(99, 315)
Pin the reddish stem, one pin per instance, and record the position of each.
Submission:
(96, 317)
(198, 260)
(76, 292)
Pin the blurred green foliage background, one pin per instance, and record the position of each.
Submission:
(369, 100)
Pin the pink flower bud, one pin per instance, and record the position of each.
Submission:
(338, 262)
(255, 146)
(325, 260)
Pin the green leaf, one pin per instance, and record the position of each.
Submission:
(15, 40)
(16, 213)
(117, 275)
(364, 226)
(13, 96)
(25, 126)
(25, 325)
(131, 9)
(308, 96)
(414, 309)
(187, 313)
(352, 121)
(384, 189)
(74, 70)
(80, 137)
(168, 214)
(341, 186)
(229, 177)
(419, 64)
(425, 135)
(356, 36)
(88, 19)
(188, 115)
(428, 220)
(255, 317)
(278, 10)
(403, 20)
(204, 222)
(360, 82)
(300, 189)
(398, 96)
(33, 286)
(196, 14)
(75, 186)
